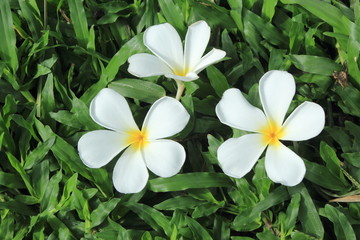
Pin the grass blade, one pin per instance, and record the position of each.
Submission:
(79, 21)
(7, 33)
(190, 180)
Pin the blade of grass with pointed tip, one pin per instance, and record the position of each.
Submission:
(268, 9)
(308, 214)
(25, 177)
(325, 11)
(133, 46)
(151, 216)
(267, 30)
(173, 14)
(8, 38)
(79, 21)
(217, 80)
(342, 225)
(32, 17)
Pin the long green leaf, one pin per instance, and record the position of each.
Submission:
(277, 196)
(10, 180)
(326, 12)
(217, 80)
(268, 9)
(172, 14)
(190, 180)
(25, 177)
(199, 232)
(102, 211)
(135, 45)
(315, 64)
(321, 176)
(32, 17)
(138, 89)
(16, 206)
(342, 225)
(268, 31)
(151, 216)
(8, 39)
(349, 100)
(308, 214)
(79, 21)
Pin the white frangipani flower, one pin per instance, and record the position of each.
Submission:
(145, 148)
(170, 58)
(237, 156)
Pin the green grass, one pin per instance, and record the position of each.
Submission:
(55, 57)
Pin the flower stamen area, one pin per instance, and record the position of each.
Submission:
(137, 138)
(181, 72)
(272, 133)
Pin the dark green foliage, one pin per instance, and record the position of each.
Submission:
(56, 55)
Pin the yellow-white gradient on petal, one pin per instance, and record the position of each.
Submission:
(173, 60)
(137, 138)
(237, 155)
(272, 133)
(141, 149)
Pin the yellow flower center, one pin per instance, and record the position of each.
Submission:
(272, 133)
(181, 72)
(137, 138)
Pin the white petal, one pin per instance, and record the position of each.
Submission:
(235, 111)
(166, 117)
(197, 38)
(305, 122)
(277, 88)
(164, 157)
(284, 166)
(191, 76)
(147, 65)
(215, 55)
(97, 148)
(130, 173)
(165, 42)
(237, 156)
(110, 110)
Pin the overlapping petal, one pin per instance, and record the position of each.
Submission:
(189, 77)
(237, 156)
(235, 111)
(165, 118)
(197, 38)
(110, 110)
(147, 65)
(165, 42)
(164, 157)
(284, 166)
(305, 122)
(97, 148)
(211, 57)
(130, 173)
(276, 88)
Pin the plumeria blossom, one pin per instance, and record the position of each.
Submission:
(170, 59)
(237, 156)
(144, 148)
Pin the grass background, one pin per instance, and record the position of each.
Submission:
(56, 55)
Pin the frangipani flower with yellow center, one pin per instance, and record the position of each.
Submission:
(170, 59)
(144, 148)
(237, 156)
